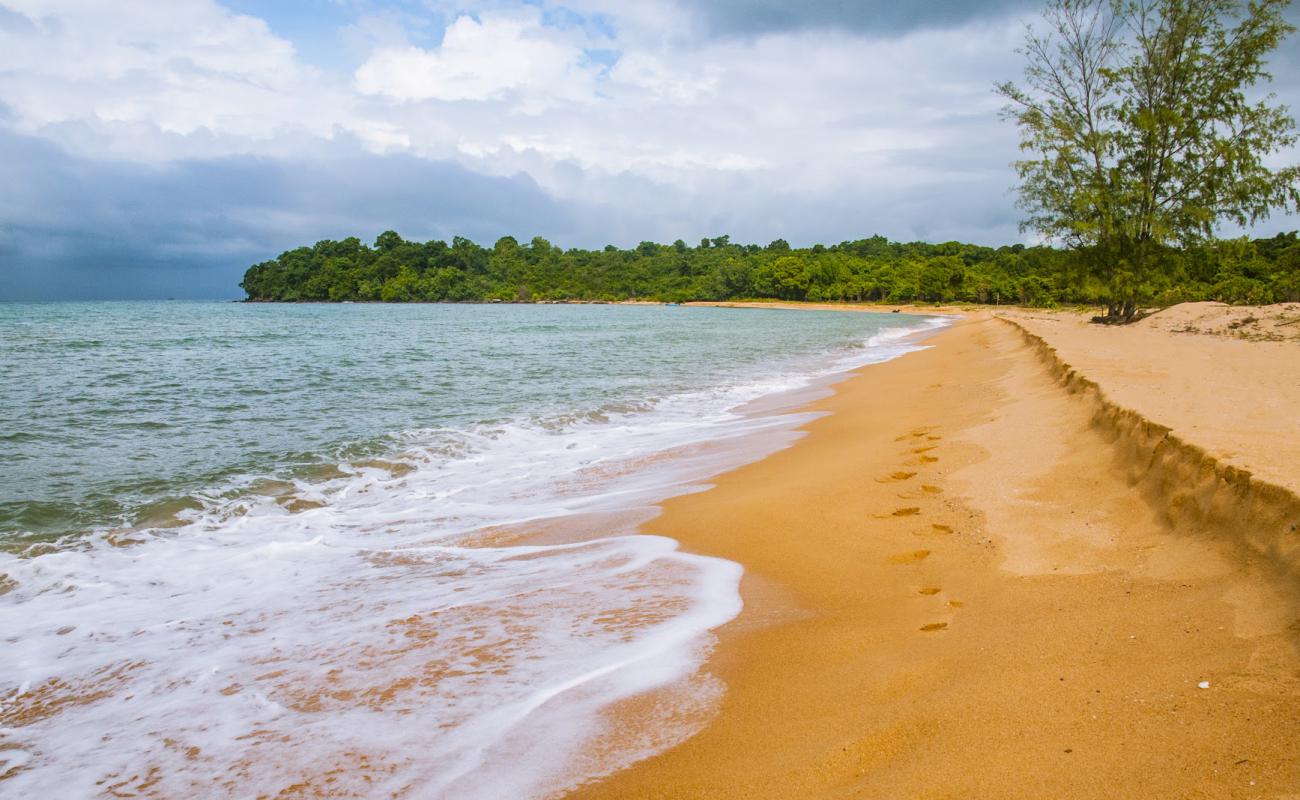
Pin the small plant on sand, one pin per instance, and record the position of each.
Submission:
(1140, 137)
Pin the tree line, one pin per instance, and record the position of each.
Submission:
(867, 270)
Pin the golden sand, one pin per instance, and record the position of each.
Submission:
(968, 581)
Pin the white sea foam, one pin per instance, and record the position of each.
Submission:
(399, 636)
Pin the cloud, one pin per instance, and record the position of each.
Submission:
(92, 228)
(181, 66)
(873, 17)
(13, 22)
(165, 80)
(665, 81)
(796, 112)
(483, 59)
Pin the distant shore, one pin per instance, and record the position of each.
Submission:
(906, 308)
(1038, 559)
(829, 306)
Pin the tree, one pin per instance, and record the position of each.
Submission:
(401, 288)
(386, 241)
(1140, 135)
(786, 277)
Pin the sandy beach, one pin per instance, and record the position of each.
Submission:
(1038, 559)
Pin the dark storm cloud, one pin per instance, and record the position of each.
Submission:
(77, 228)
(865, 16)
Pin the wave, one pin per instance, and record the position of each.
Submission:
(454, 618)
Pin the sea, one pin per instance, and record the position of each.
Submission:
(360, 550)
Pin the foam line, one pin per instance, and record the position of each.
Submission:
(389, 627)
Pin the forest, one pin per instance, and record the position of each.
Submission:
(1257, 271)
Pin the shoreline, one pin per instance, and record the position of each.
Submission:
(586, 609)
(955, 586)
(870, 308)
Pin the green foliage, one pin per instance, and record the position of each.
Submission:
(1141, 136)
(786, 277)
(867, 270)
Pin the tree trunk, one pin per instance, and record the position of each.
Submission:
(1119, 313)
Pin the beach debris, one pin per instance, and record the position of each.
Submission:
(1203, 685)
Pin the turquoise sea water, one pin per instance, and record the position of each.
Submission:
(112, 411)
(291, 537)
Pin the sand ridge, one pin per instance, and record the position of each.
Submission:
(955, 587)
(1229, 468)
(1238, 399)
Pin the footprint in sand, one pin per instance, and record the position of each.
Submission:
(910, 557)
(941, 528)
(929, 591)
(916, 434)
(955, 604)
(897, 476)
(926, 489)
(924, 449)
(906, 511)
(928, 459)
(934, 626)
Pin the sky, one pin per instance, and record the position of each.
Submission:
(157, 148)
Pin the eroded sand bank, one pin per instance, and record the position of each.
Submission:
(958, 585)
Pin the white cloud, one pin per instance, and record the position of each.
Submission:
(180, 66)
(170, 79)
(664, 82)
(701, 126)
(629, 113)
(799, 111)
(483, 59)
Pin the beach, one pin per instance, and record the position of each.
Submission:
(414, 572)
(703, 553)
(759, 400)
(1037, 559)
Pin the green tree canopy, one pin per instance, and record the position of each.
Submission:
(1143, 132)
(866, 270)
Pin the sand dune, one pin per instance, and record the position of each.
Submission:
(1275, 323)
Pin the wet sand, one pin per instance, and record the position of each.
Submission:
(967, 581)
